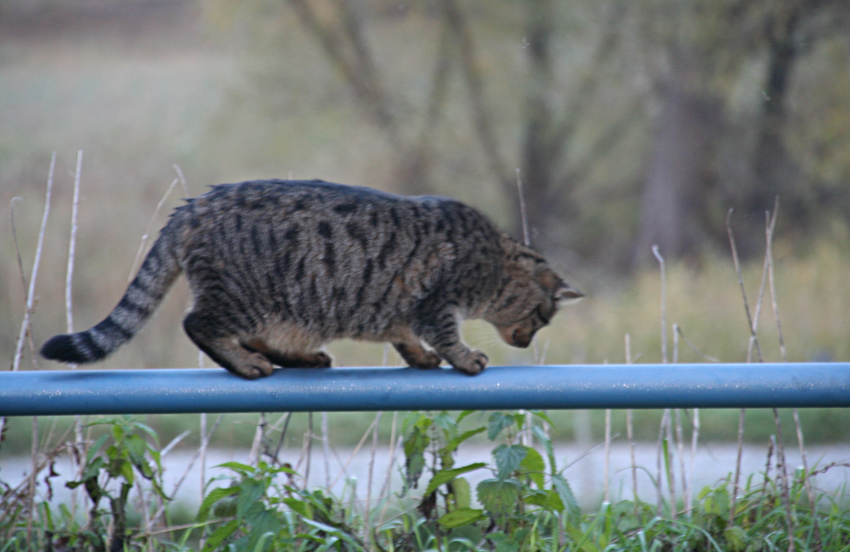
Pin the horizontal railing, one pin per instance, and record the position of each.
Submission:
(158, 391)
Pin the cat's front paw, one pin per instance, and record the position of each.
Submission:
(474, 363)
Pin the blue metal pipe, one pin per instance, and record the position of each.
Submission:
(370, 389)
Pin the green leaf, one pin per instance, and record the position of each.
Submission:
(214, 496)
(508, 459)
(238, 467)
(126, 471)
(461, 517)
(299, 506)
(547, 445)
(543, 416)
(461, 492)
(454, 443)
(220, 534)
(499, 497)
(534, 467)
(444, 476)
(567, 497)
(446, 422)
(249, 495)
(736, 537)
(496, 423)
(548, 500)
(464, 414)
(94, 449)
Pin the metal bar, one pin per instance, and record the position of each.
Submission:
(369, 389)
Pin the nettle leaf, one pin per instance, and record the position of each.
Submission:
(446, 422)
(248, 496)
(534, 467)
(94, 449)
(214, 496)
(566, 495)
(547, 445)
(413, 469)
(736, 538)
(461, 517)
(218, 536)
(499, 497)
(238, 467)
(508, 459)
(497, 422)
(543, 416)
(444, 476)
(300, 507)
(548, 500)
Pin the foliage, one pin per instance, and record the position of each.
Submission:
(526, 503)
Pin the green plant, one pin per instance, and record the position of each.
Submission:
(257, 512)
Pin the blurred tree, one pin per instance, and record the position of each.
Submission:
(549, 129)
(708, 158)
(629, 123)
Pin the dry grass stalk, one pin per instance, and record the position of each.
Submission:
(353, 453)
(25, 330)
(78, 448)
(657, 253)
(326, 453)
(259, 435)
(146, 236)
(780, 448)
(679, 438)
(606, 496)
(367, 525)
(307, 450)
(30, 293)
(770, 226)
(630, 434)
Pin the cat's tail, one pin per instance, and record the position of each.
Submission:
(143, 296)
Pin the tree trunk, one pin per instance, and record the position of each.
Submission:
(677, 174)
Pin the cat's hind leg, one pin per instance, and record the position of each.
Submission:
(414, 354)
(289, 359)
(206, 332)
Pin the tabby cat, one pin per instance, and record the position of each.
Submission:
(278, 268)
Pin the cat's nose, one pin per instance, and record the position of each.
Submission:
(521, 339)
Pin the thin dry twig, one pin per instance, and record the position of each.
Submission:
(780, 448)
(750, 323)
(770, 226)
(680, 445)
(606, 496)
(78, 449)
(326, 454)
(677, 330)
(25, 325)
(146, 236)
(657, 253)
(630, 431)
(367, 525)
(353, 454)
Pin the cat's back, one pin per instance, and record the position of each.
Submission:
(336, 251)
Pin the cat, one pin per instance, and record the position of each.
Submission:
(278, 268)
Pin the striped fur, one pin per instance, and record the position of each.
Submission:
(279, 268)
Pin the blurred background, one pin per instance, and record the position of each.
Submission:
(629, 123)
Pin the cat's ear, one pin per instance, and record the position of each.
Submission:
(562, 292)
(567, 294)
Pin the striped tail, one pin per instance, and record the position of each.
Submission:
(143, 296)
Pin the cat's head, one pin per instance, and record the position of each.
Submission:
(529, 298)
